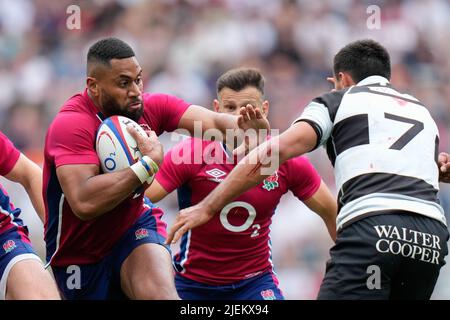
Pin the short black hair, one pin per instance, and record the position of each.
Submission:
(240, 78)
(109, 48)
(363, 58)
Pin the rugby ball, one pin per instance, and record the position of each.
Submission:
(115, 146)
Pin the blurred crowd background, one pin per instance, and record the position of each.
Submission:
(184, 45)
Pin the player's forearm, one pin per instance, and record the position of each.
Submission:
(223, 121)
(156, 192)
(102, 193)
(241, 180)
(331, 226)
(228, 128)
(34, 190)
(250, 171)
(213, 125)
(29, 175)
(260, 163)
(330, 223)
(197, 117)
(324, 204)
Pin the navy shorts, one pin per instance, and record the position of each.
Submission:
(101, 280)
(16, 246)
(261, 287)
(388, 256)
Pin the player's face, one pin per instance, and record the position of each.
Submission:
(121, 89)
(230, 101)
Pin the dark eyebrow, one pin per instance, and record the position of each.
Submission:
(122, 76)
(127, 77)
(229, 103)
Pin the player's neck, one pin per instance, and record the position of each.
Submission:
(95, 102)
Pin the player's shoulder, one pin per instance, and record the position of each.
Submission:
(148, 97)
(8, 148)
(299, 166)
(158, 99)
(72, 118)
(298, 162)
(75, 111)
(152, 100)
(331, 101)
(332, 97)
(76, 103)
(3, 138)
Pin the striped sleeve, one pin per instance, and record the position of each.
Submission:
(316, 114)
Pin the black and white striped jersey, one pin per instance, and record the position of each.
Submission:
(383, 145)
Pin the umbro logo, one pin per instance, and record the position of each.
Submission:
(215, 174)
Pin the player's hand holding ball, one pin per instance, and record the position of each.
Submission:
(148, 145)
(122, 143)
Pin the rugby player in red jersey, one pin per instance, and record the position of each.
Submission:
(230, 257)
(103, 241)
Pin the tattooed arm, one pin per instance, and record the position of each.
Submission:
(252, 170)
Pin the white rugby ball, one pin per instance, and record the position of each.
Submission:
(115, 146)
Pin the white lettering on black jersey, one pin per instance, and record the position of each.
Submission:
(383, 145)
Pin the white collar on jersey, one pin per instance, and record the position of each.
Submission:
(373, 79)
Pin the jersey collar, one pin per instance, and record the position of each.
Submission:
(227, 152)
(373, 80)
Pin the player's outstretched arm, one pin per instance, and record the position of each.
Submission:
(156, 192)
(29, 175)
(444, 167)
(324, 204)
(297, 140)
(200, 117)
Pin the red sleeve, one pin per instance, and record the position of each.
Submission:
(304, 180)
(8, 155)
(163, 112)
(71, 140)
(180, 164)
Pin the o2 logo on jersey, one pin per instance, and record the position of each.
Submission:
(251, 217)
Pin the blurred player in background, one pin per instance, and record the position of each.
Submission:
(392, 234)
(103, 241)
(22, 273)
(230, 256)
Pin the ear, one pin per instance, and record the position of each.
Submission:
(346, 79)
(216, 105)
(92, 86)
(265, 108)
